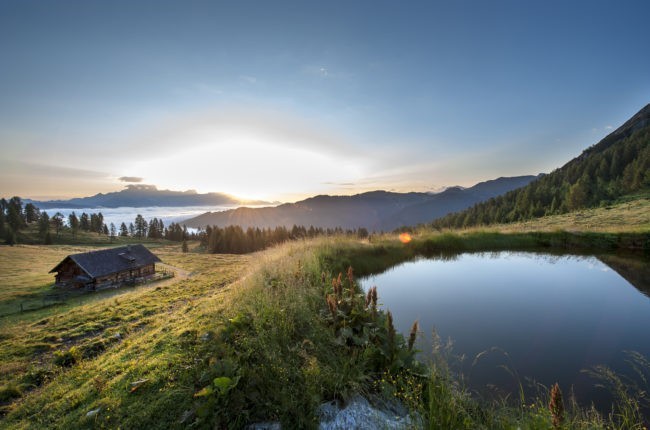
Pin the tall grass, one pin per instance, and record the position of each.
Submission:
(267, 337)
(451, 405)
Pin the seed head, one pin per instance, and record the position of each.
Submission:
(331, 304)
(413, 335)
(556, 406)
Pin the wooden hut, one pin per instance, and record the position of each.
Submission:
(105, 268)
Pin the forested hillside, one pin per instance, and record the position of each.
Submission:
(617, 166)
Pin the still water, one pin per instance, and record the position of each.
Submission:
(544, 317)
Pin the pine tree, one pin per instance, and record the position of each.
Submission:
(140, 226)
(43, 225)
(84, 222)
(15, 214)
(2, 223)
(31, 213)
(101, 227)
(73, 222)
(57, 222)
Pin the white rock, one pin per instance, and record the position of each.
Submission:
(360, 415)
(94, 412)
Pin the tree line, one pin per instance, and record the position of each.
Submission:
(16, 217)
(600, 175)
(213, 239)
(234, 239)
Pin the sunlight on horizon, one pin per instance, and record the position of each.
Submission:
(247, 167)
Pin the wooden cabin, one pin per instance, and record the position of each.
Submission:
(106, 268)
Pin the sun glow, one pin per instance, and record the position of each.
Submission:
(247, 166)
(405, 237)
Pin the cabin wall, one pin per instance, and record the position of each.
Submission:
(125, 276)
(67, 272)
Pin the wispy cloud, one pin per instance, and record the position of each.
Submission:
(133, 179)
(248, 79)
(48, 170)
(325, 72)
(341, 184)
(38, 180)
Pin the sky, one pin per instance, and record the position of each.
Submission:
(281, 100)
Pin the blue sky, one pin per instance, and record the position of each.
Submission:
(281, 100)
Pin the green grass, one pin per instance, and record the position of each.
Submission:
(241, 339)
(62, 359)
(631, 214)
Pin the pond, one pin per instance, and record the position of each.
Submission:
(541, 317)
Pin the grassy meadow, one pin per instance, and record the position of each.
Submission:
(235, 339)
(629, 215)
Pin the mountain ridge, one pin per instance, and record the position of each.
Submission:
(137, 195)
(374, 210)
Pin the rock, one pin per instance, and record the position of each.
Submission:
(361, 415)
(92, 413)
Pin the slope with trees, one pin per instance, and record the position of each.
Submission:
(617, 166)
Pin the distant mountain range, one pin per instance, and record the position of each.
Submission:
(376, 210)
(144, 196)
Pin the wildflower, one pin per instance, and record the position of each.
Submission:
(390, 329)
(350, 274)
(331, 304)
(556, 406)
(336, 286)
(413, 334)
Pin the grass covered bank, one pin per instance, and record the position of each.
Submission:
(243, 339)
(246, 339)
(386, 251)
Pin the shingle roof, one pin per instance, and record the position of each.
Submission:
(113, 260)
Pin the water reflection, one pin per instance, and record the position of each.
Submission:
(541, 318)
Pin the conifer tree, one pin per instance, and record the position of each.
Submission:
(57, 222)
(73, 222)
(31, 213)
(84, 222)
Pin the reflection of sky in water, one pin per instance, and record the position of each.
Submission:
(553, 315)
(128, 214)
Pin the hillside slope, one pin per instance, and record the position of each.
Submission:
(617, 166)
(376, 210)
